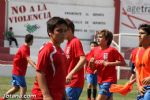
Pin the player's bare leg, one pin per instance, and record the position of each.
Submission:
(23, 92)
(11, 91)
(104, 97)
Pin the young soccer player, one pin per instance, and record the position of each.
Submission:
(132, 63)
(75, 64)
(91, 75)
(51, 69)
(105, 58)
(20, 62)
(142, 63)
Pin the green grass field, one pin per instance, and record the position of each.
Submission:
(5, 84)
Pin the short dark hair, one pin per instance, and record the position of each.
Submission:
(94, 42)
(28, 38)
(145, 27)
(53, 22)
(10, 28)
(70, 25)
(108, 35)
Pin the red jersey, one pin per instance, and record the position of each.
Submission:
(108, 73)
(133, 54)
(51, 61)
(73, 52)
(89, 70)
(142, 63)
(20, 61)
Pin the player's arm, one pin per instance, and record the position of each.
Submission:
(146, 81)
(92, 59)
(139, 87)
(91, 62)
(78, 66)
(43, 86)
(118, 59)
(31, 62)
(85, 65)
(95, 71)
(116, 63)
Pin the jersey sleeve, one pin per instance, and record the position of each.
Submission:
(90, 55)
(43, 60)
(78, 49)
(117, 55)
(87, 57)
(133, 55)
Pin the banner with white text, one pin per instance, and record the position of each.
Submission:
(29, 17)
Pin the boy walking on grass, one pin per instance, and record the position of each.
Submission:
(20, 62)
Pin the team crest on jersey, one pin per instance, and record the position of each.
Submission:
(105, 56)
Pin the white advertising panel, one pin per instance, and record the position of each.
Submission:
(30, 17)
(134, 13)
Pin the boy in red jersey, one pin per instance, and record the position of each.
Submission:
(20, 62)
(105, 58)
(142, 63)
(91, 75)
(75, 63)
(51, 69)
